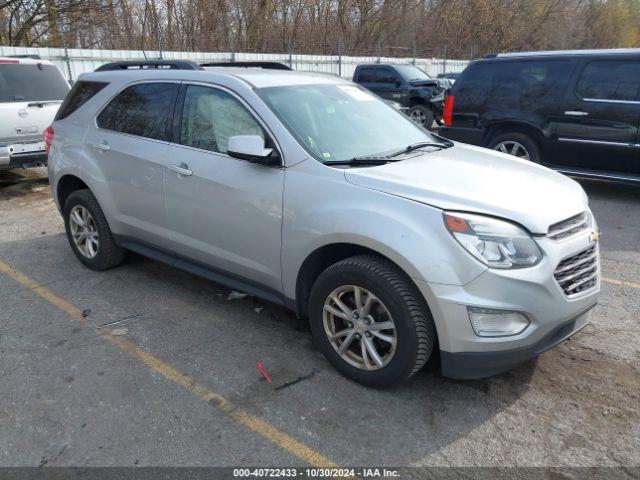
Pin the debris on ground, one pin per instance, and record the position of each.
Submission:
(86, 313)
(258, 309)
(263, 372)
(298, 380)
(236, 295)
(119, 331)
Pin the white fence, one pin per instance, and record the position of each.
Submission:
(74, 62)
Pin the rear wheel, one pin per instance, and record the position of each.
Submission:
(88, 232)
(517, 144)
(370, 321)
(421, 115)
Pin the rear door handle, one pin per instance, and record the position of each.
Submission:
(576, 113)
(182, 169)
(103, 145)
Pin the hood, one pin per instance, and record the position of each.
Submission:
(434, 82)
(474, 179)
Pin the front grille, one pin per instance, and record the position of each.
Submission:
(578, 273)
(569, 227)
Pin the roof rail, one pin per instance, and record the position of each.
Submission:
(602, 51)
(265, 65)
(149, 65)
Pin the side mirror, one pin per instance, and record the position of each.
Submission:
(251, 148)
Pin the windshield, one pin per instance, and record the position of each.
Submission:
(341, 122)
(409, 72)
(22, 82)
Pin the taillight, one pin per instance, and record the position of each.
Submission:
(447, 115)
(9, 60)
(48, 138)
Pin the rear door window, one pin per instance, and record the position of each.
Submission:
(80, 94)
(610, 80)
(145, 110)
(25, 82)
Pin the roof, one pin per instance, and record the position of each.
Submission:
(256, 77)
(605, 51)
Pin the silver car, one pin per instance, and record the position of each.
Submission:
(31, 91)
(312, 193)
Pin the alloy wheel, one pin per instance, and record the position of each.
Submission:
(511, 147)
(84, 231)
(418, 116)
(359, 327)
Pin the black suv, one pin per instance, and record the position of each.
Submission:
(407, 85)
(575, 111)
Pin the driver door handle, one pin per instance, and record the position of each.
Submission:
(102, 145)
(182, 169)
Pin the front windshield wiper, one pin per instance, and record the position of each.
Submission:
(416, 146)
(362, 161)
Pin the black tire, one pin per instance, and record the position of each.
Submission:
(415, 330)
(108, 254)
(530, 145)
(425, 112)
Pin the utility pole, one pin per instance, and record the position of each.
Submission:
(413, 61)
(290, 52)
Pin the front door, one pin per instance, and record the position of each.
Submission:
(224, 212)
(388, 84)
(599, 126)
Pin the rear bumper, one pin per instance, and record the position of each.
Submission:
(472, 136)
(21, 160)
(474, 365)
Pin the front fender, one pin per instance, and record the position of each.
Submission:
(332, 211)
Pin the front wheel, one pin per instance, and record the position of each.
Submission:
(370, 321)
(421, 115)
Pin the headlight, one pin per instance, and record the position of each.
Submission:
(496, 243)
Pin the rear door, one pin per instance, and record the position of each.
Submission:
(129, 143)
(224, 212)
(599, 126)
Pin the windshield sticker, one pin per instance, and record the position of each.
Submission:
(326, 154)
(356, 93)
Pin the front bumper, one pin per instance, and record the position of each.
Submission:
(473, 365)
(533, 292)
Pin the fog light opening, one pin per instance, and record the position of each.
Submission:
(487, 322)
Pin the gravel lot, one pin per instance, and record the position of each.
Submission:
(73, 395)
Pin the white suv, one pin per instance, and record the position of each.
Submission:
(31, 91)
(311, 192)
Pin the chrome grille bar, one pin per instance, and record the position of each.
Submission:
(568, 227)
(579, 272)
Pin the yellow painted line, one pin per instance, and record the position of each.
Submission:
(621, 283)
(256, 424)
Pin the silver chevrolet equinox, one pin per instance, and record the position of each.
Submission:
(309, 191)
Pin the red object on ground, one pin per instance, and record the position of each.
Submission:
(261, 370)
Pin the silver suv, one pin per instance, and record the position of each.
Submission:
(310, 192)
(31, 91)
